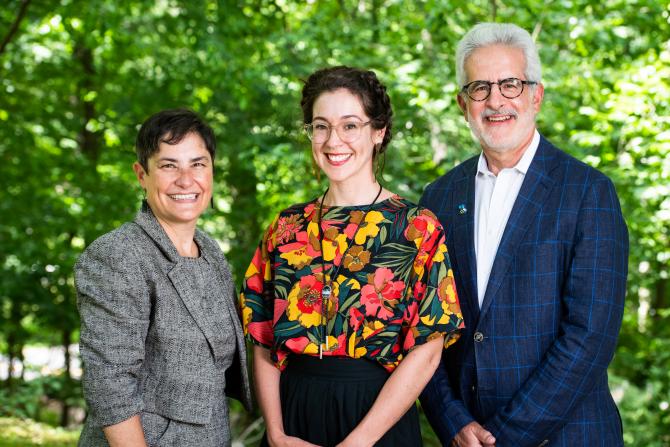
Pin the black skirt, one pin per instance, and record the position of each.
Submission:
(322, 401)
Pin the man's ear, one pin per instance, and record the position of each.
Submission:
(538, 95)
(462, 105)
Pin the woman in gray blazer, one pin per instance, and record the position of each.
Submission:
(161, 340)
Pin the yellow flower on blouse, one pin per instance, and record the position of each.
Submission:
(371, 328)
(369, 227)
(333, 243)
(246, 313)
(351, 282)
(352, 350)
(332, 344)
(311, 348)
(448, 299)
(439, 253)
(297, 258)
(420, 263)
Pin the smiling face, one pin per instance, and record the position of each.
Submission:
(341, 161)
(501, 124)
(178, 183)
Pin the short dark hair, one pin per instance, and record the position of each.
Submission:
(170, 127)
(362, 83)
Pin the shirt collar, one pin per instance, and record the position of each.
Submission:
(522, 165)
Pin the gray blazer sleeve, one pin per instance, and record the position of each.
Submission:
(114, 306)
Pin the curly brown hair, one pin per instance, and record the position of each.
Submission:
(362, 83)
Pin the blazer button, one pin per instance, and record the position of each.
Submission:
(479, 337)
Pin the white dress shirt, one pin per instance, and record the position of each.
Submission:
(494, 199)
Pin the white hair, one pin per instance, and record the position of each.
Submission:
(508, 34)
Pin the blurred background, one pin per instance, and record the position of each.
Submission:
(78, 77)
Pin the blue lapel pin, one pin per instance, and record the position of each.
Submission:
(462, 209)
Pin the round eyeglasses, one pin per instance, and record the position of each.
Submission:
(510, 88)
(347, 131)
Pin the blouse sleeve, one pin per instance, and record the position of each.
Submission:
(433, 309)
(257, 295)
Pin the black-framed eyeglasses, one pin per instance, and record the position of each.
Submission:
(348, 131)
(510, 88)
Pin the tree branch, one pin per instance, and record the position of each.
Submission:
(88, 140)
(15, 25)
(375, 21)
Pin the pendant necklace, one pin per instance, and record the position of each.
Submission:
(327, 289)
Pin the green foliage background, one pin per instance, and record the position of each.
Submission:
(78, 77)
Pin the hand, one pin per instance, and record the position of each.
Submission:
(288, 441)
(473, 435)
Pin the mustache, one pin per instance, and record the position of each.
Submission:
(490, 112)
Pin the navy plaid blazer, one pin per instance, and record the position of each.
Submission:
(531, 364)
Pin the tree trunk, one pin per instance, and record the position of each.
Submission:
(494, 10)
(375, 21)
(21, 358)
(661, 300)
(14, 343)
(65, 409)
(88, 140)
(67, 334)
(11, 345)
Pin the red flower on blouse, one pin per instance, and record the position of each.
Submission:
(355, 318)
(304, 301)
(254, 275)
(381, 294)
(287, 227)
(299, 253)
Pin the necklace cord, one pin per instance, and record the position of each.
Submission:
(326, 289)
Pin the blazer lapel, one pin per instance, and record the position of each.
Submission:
(463, 237)
(230, 297)
(237, 380)
(180, 277)
(534, 191)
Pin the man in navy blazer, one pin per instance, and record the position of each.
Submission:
(540, 254)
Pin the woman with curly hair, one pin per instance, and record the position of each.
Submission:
(349, 298)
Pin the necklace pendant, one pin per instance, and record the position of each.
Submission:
(326, 292)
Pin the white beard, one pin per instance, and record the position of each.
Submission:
(524, 125)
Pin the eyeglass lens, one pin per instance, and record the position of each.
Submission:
(509, 88)
(348, 131)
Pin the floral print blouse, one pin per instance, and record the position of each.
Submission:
(394, 290)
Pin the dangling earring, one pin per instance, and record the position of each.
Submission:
(375, 158)
(211, 202)
(379, 164)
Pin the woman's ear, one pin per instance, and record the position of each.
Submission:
(139, 173)
(379, 135)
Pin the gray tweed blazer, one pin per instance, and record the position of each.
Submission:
(147, 343)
